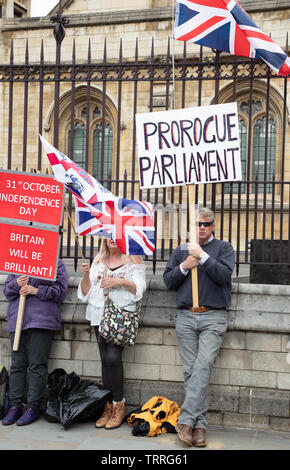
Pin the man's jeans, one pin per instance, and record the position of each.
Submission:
(199, 338)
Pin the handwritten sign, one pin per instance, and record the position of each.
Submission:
(35, 198)
(185, 146)
(28, 251)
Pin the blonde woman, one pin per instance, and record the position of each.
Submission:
(123, 279)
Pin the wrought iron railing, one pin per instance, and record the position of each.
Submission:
(253, 209)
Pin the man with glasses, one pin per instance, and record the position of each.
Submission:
(200, 330)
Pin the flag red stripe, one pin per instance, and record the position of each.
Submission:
(145, 241)
(242, 45)
(200, 29)
(53, 160)
(284, 70)
(256, 34)
(209, 3)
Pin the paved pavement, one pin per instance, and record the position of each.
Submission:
(42, 435)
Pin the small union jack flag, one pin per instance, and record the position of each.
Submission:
(98, 212)
(129, 223)
(225, 26)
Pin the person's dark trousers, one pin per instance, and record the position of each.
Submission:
(112, 366)
(32, 357)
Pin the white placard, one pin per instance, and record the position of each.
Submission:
(189, 146)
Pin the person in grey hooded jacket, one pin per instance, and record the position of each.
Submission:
(41, 319)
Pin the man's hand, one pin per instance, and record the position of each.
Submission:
(22, 280)
(189, 263)
(195, 250)
(28, 290)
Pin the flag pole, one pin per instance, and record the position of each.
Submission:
(192, 237)
(173, 53)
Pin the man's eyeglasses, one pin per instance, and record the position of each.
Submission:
(205, 224)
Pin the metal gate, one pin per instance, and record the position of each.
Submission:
(255, 209)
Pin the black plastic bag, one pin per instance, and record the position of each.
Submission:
(74, 400)
(4, 387)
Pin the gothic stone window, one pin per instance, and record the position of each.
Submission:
(101, 142)
(261, 166)
(260, 109)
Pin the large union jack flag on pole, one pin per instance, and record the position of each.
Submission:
(98, 212)
(225, 26)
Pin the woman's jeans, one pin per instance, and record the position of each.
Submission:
(199, 337)
(32, 356)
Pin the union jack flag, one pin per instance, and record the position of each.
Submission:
(225, 26)
(98, 212)
(129, 223)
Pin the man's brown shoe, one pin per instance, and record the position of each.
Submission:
(184, 432)
(198, 437)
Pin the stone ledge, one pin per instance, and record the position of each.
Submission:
(255, 307)
(261, 289)
(253, 320)
(93, 19)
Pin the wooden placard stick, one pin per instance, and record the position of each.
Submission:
(19, 322)
(192, 238)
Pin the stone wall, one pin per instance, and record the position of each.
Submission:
(251, 377)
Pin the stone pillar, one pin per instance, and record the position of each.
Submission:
(8, 9)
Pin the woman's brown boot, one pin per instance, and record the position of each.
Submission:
(118, 415)
(107, 413)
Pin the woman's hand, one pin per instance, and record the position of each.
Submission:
(114, 282)
(28, 290)
(85, 269)
(111, 282)
(86, 282)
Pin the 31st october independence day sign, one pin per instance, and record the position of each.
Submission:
(30, 197)
(31, 211)
(189, 146)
